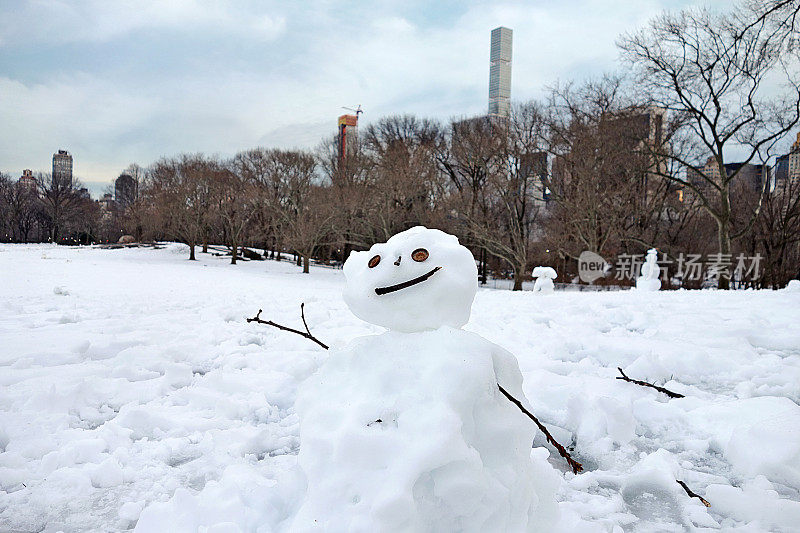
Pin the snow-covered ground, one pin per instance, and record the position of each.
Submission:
(131, 388)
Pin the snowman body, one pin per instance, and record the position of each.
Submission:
(407, 430)
(544, 279)
(648, 279)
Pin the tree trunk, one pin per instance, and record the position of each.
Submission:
(519, 273)
(482, 270)
(306, 263)
(234, 253)
(724, 281)
(205, 242)
(191, 252)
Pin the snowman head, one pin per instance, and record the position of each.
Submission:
(418, 280)
(544, 272)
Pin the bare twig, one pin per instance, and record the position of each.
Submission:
(646, 384)
(307, 334)
(303, 316)
(693, 494)
(575, 465)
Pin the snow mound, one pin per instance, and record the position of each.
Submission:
(758, 436)
(409, 432)
(793, 286)
(442, 275)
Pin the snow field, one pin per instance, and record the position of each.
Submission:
(132, 392)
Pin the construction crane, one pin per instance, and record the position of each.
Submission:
(357, 111)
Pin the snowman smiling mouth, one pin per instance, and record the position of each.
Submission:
(410, 283)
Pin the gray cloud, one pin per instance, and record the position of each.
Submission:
(118, 82)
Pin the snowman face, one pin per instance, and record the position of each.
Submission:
(419, 279)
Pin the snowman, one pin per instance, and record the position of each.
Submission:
(544, 279)
(648, 277)
(407, 430)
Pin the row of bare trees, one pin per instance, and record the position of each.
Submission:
(614, 165)
(48, 209)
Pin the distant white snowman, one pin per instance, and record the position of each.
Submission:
(407, 430)
(648, 279)
(544, 279)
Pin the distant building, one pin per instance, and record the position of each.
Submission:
(625, 143)
(106, 203)
(62, 168)
(500, 72)
(125, 190)
(781, 173)
(27, 180)
(793, 167)
(749, 175)
(535, 165)
(787, 167)
(634, 126)
(347, 139)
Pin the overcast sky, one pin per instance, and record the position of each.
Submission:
(116, 82)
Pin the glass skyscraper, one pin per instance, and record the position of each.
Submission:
(500, 72)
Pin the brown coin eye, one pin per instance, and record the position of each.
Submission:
(374, 261)
(419, 255)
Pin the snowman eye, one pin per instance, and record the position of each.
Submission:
(419, 255)
(374, 261)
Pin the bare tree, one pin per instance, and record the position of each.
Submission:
(235, 202)
(62, 202)
(6, 231)
(402, 177)
(309, 223)
(349, 178)
(515, 191)
(23, 209)
(777, 234)
(599, 178)
(180, 189)
(302, 206)
(716, 74)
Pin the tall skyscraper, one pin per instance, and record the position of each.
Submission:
(500, 72)
(62, 168)
(125, 190)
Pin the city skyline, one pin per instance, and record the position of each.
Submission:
(116, 86)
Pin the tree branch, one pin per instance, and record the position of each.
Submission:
(693, 494)
(575, 465)
(307, 334)
(646, 384)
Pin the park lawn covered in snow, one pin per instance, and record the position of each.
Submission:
(132, 389)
